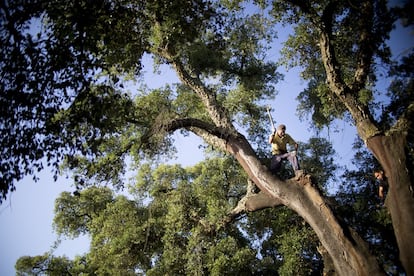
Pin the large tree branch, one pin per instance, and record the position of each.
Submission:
(211, 134)
(220, 138)
(365, 50)
(208, 97)
(348, 94)
(360, 112)
(191, 123)
(365, 42)
(217, 136)
(252, 202)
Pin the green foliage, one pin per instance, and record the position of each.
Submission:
(66, 68)
(318, 100)
(185, 205)
(74, 214)
(52, 265)
(293, 245)
(173, 223)
(287, 245)
(53, 55)
(119, 234)
(41, 265)
(226, 258)
(353, 35)
(63, 98)
(317, 157)
(401, 91)
(96, 31)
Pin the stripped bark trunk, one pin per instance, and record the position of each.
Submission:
(253, 202)
(328, 266)
(390, 152)
(348, 251)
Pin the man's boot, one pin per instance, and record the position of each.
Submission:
(298, 174)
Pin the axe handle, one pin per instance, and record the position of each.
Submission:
(271, 119)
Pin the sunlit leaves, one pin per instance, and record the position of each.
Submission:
(74, 214)
(318, 158)
(45, 264)
(174, 223)
(223, 259)
(295, 246)
(318, 101)
(64, 92)
(118, 237)
(357, 39)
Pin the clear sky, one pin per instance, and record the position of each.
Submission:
(26, 216)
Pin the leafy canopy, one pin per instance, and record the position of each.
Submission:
(72, 88)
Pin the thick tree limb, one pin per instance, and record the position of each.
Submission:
(216, 111)
(211, 134)
(360, 112)
(348, 94)
(306, 200)
(365, 50)
(252, 202)
(191, 123)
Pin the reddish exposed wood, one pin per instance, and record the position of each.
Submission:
(389, 151)
(349, 252)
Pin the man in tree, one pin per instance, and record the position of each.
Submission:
(382, 184)
(279, 139)
(82, 58)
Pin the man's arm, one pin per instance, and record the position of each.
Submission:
(381, 192)
(271, 137)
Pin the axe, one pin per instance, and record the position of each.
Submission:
(271, 119)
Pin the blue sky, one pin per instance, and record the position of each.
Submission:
(26, 216)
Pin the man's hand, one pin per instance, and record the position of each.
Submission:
(271, 137)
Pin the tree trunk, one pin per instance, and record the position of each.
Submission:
(328, 266)
(348, 251)
(390, 152)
